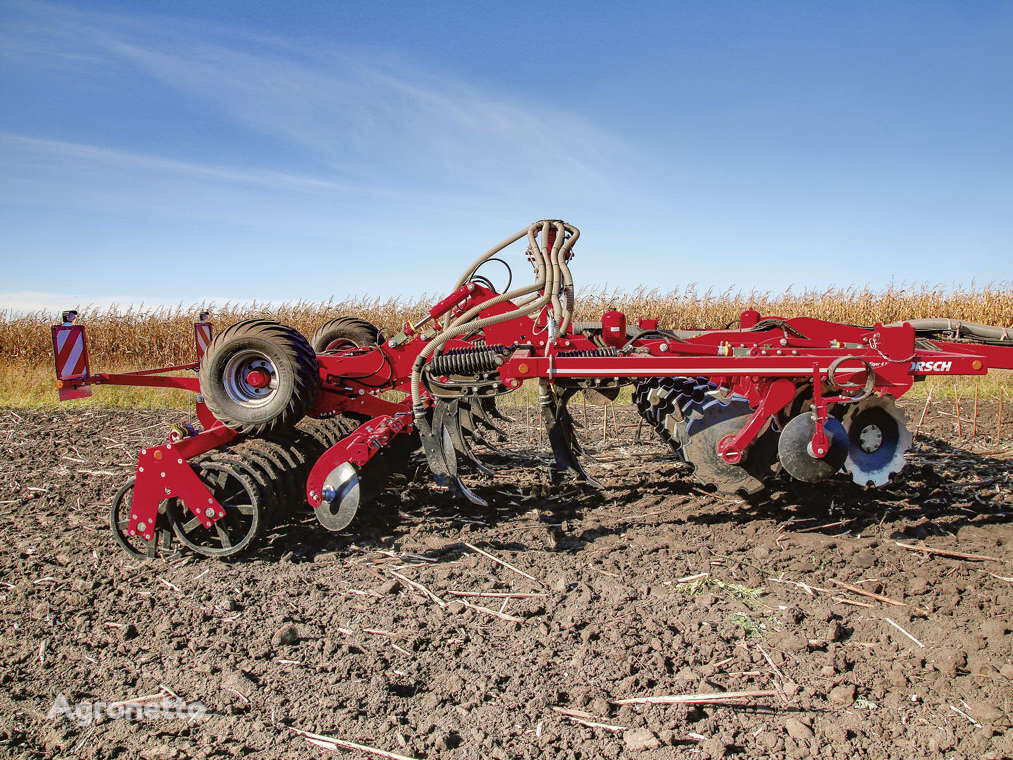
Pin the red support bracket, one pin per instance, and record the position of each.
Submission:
(819, 446)
(163, 472)
(149, 380)
(778, 395)
(358, 447)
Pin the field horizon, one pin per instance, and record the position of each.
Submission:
(123, 338)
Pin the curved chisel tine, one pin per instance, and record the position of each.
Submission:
(562, 418)
(470, 495)
(583, 476)
(466, 417)
(490, 406)
(474, 433)
(560, 451)
(434, 444)
(469, 427)
(565, 420)
(453, 423)
(560, 434)
(578, 447)
(573, 459)
(564, 399)
(441, 426)
(481, 415)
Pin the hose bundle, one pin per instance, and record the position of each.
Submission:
(958, 329)
(552, 279)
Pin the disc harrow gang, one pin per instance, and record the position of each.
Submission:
(286, 423)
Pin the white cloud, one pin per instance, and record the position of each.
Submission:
(369, 116)
(141, 161)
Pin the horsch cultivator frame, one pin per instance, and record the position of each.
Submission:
(283, 418)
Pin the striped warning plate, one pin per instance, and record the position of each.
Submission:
(71, 352)
(202, 337)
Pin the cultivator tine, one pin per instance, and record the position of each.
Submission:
(576, 464)
(437, 446)
(470, 495)
(468, 420)
(490, 406)
(480, 412)
(445, 420)
(453, 423)
(469, 426)
(559, 427)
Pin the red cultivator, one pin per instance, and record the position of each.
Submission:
(285, 418)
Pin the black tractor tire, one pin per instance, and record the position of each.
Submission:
(280, 352)
(345, 332)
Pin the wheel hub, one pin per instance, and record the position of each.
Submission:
(249, 378)
(258, 379)
(870, 438)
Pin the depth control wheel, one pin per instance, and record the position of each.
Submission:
(259, 376)
(239, 496)
(345, 332)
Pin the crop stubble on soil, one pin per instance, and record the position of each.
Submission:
(376, 662)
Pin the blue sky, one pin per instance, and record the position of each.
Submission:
(167, 152)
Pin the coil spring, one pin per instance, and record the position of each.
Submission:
(592, 354)
(466, 361)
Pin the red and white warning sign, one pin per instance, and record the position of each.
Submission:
(71, 351)
(202, 333)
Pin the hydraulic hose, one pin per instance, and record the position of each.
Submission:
(546, 281)
(971, 329)
(542, 268)
(569, 296)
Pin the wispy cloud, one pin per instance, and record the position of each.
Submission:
(362, 114)
(155, 148)
(141, 161)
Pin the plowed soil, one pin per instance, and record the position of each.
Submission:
(650, 587)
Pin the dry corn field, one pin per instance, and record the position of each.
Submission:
(137, 337)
